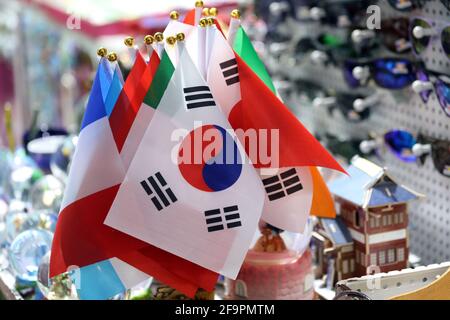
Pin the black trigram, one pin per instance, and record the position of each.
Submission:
(198, 97)
(217, 222)
(156, 187)
(282, 185)
(230, 71)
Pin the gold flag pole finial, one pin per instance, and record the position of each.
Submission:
(180, 37)
(129, 42)
(112, 57)
(199, 4)
(174, 15)
(203, 22)
(209, 22)
(205, 12)
(102, 52)
(149, 39)
(9, 128)
(236, 14)
(171, 40)
(159, 37)
(213, 12)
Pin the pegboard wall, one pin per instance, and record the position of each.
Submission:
(429, 228)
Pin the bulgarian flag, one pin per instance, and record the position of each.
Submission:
(241, 84)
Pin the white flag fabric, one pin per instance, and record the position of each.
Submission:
(206, 212)
(190, 32)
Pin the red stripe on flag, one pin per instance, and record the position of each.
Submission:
(219, 27)
(260, 109)
(81, 239)
(190, 17)
(171, 270)
(131, 97)
(131, 86)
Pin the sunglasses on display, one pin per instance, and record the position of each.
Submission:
(393, 35)
(388, 73)
(399, 142)
(340, 13)
(329, 48)
(345, 148)
(406, 5)
(429, 81)
(307, 91)
(354, 107)
(439, 150)
(409, 5)
(423, 32)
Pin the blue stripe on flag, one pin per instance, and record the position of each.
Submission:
(97, 282)
(114, 92)
(95, 109)
(106, 77)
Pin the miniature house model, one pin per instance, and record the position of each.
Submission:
(374, 208)
(333, 251)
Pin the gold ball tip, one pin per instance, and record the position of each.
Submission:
(129, 42)
(102, 52)
(112, 57)
(148, 40)
(199, 4)
(203, 22)
(213, 12)
(205, 12)
(174, 15)
(236, 14)
(171, 40)
(159, 36)
(181, 37)
(209, 21)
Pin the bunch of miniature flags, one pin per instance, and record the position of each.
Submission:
(134, 208)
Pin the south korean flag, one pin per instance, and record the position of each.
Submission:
(190, 189)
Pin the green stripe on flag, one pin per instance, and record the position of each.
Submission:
(160, 82)
(244, 48)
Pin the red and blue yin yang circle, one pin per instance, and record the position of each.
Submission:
(211, 164)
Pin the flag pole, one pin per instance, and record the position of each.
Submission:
(149, 40)
(132, 47)
(159, 38)
(180, 43)
(102, 52)
(205, 12)
(112, 58)
(208, 40)
(198, 11)
(235, 24)
(9, 128)
(201, 28)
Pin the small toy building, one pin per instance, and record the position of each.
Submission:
(375, 209)
(333, 251)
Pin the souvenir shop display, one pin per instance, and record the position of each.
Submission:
(225, 150)
(272, 271)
